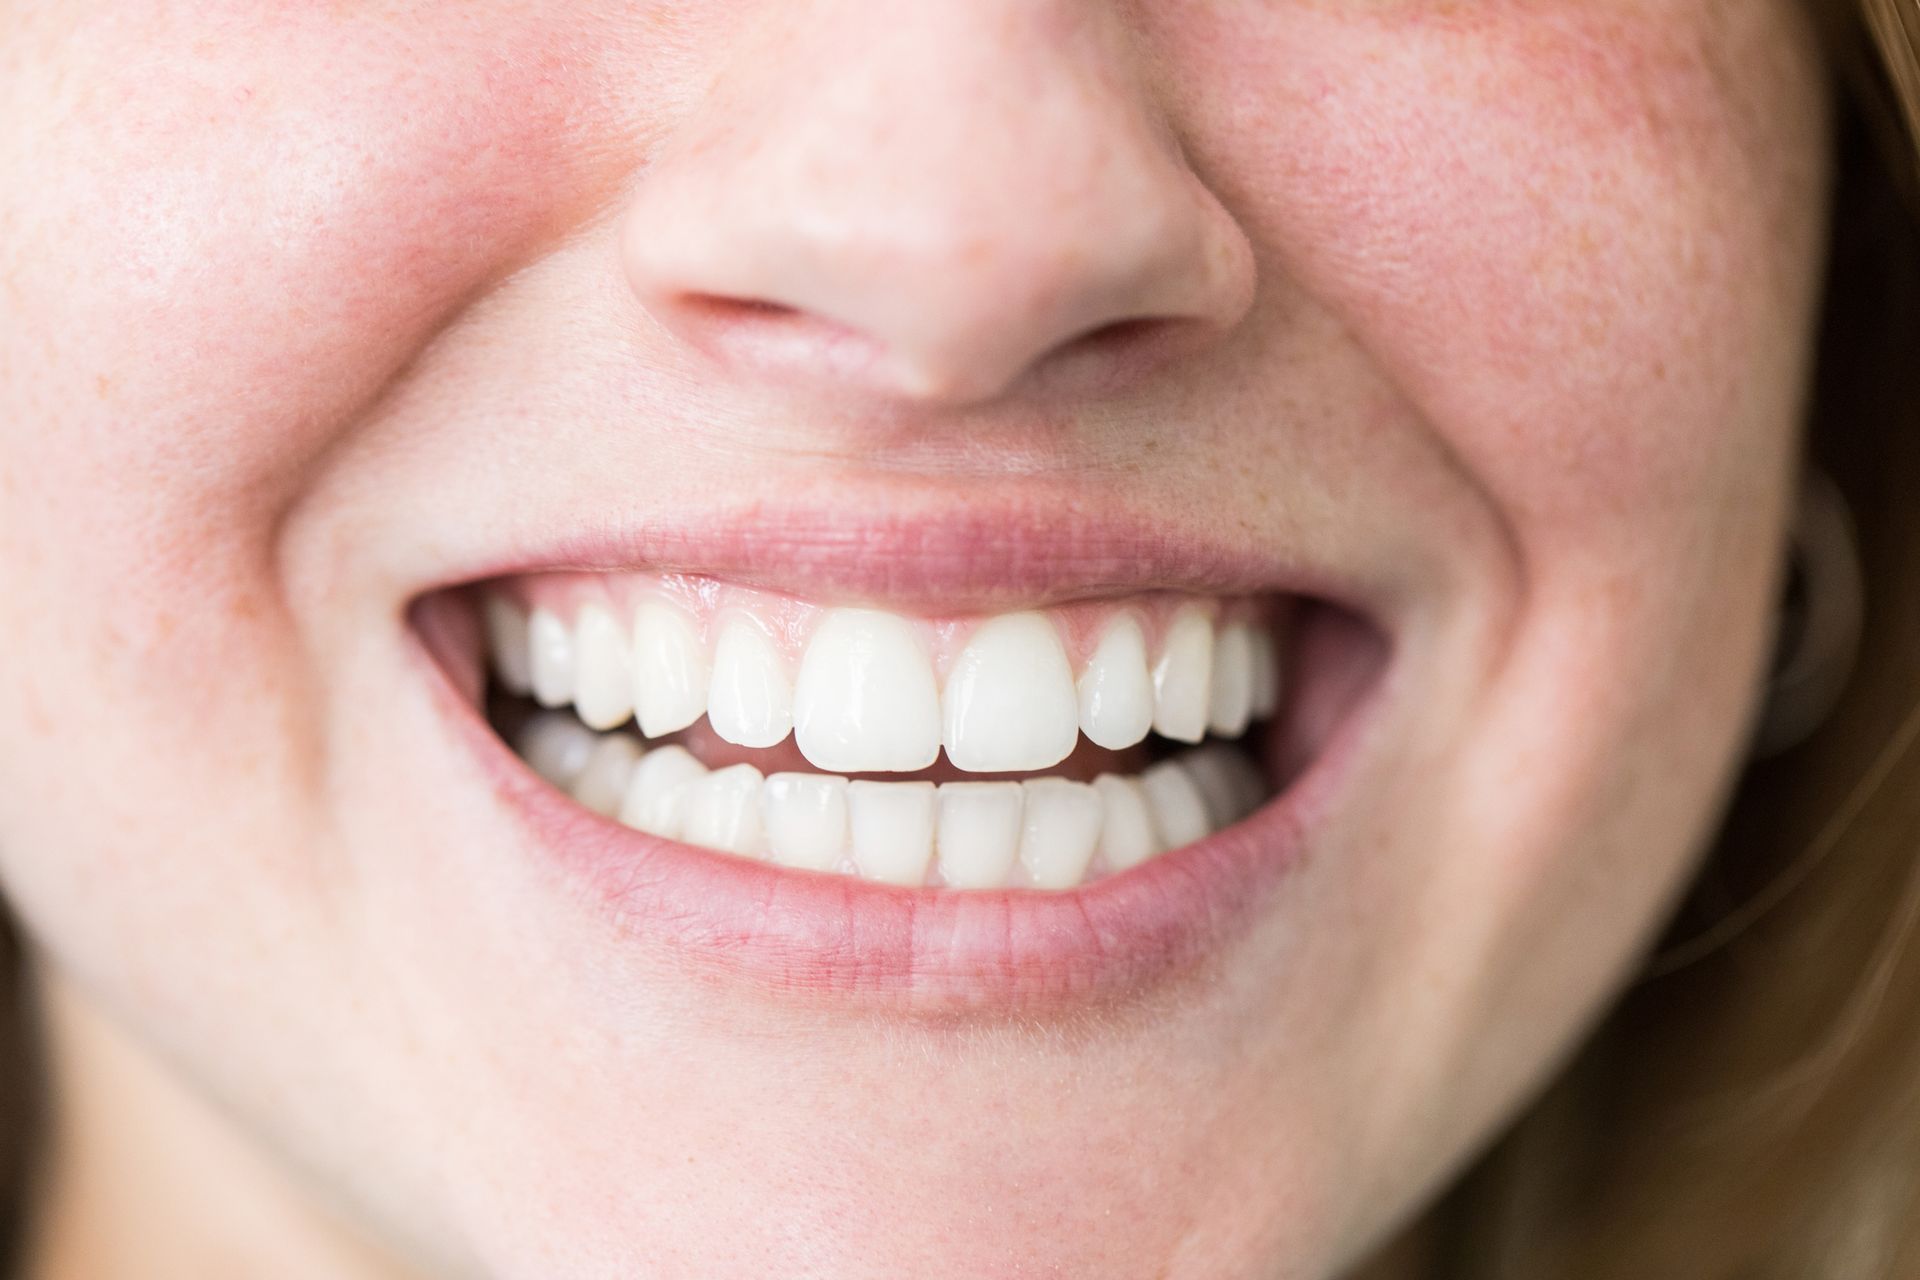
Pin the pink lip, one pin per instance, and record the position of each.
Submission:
(828, 936)
(947, 554)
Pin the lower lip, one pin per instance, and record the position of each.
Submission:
(805, 935)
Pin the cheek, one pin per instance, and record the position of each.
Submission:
(229, 239)
(1578, 240)
(233, 238)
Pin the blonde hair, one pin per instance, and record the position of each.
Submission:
(1751, 1108)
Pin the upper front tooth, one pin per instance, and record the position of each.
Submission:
(1183, 678)
(1010, 701)
(865, 700)
(749, 700)
(1060, 826)
(551, 647)
(1116, 690)
(508, 643)
(602, 670)
(1231, 701)
(669, 669)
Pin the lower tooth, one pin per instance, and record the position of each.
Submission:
(1059, 829)
(1126, 824)
(979, 833)
(805, 817)
(723, 810)
(891, 825)
(655, 801)
(603, 782)
(556, 746)
(1179, 811)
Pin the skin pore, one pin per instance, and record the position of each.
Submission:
(1495, 314)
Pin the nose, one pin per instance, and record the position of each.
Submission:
(932, 201)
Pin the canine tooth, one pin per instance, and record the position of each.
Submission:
(556, 746)
(655, 801)
(865, 700)
(1179, 812)
(1264, 695)
(1010, 701)
(1126, 823)
(805, 816)
(669, 669)
(550, 647)
(978, 833)
(508, 644)
(892, 828)
(1116, 689)
(1059, 829)
(749, 698)
(1182, 678)
(603, 782)
(1231, 701)
(602, 670)
(723, 810)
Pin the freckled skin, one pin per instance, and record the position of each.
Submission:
(1501, 308)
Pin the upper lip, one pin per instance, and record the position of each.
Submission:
(972, 557)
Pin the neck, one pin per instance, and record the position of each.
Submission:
(142, 1177)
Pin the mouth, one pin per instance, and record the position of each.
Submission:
(1063, 797)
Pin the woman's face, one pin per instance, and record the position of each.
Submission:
(1457, 348)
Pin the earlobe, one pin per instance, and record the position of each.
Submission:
(1818, 629)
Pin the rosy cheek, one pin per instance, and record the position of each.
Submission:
(1571, 243)
(239, 235)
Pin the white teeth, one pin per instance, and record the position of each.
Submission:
(749, 698)
(656, 796)
(891, 824)
(556, 746)
(1060, 826)
(1183, 677)
(603, 782)
(669, 669)
(805, 816)
(1010, 702)
(1179, 811)
(1116, 689)
(979, 833)
(865, 700)
(1126, 823)
(1231, 702)
(602, 670)
(723, 810)
(507, 643)
(1264, 697)
(550, 647)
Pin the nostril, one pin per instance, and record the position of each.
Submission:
(719, 308)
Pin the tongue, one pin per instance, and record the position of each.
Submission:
(1085, 764)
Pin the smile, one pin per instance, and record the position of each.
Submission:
(1057, 795)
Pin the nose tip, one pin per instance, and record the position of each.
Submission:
(972, 197)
